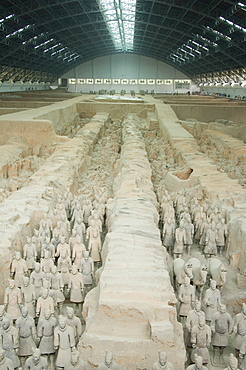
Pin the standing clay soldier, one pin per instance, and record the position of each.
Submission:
(192, 320)
(79, 226)
(64, 341)
(74, 322)
(73, 239)
(221, 326)
(162, 363)
(197, 365)
(95, 246)
(211, 241)
(212, 299)
(239, 329)
(233, 363)
(18, 269)
(25, 326)
(180, 240)
(30, 253)
(4, 315)
(76, 287)
(201, 339)
(87, 270)
(78, 251)
(87, 207)
(46, 244)
(29, 296)
(5, 362)
(189, 231)
(12, 300)
(64, 265)
(45, 332)
(44, 302)
(36, 361)
(108, 362)
(168, 234)
(242, 354)
(76, 363)
(9, 342)
(63, 246)
(56, 286)
(36, 278)
(222, 231)
(36, 239)
(55, 241)
(186, 297)
(47, 262)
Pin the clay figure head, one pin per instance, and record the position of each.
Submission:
(186, 281)
(24, 311)
(70, 312)
(28, 239)
(62, 322)
(197, 306)
(11, 283)
(62, 239)
(36, 232)
(108, 358)
(201, 321)
(74, 269)
(74, 232)
(222, 308)
(45, 293)
(233, 362)
(17, 256)
(74, 357)
(54, 269)
(86, 255)
(162, 358)
(33, 239)
(6, 323)
(37, 266)
(47, 313)
(213, 225)
(198, 362)
(181, 224)
(36, 355)
(26, 281)
(213, 284)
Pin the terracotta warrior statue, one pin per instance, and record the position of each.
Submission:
(162, 363)
(36, 361)
(221, 326)
(64, 342)
(108, 362)
(5, 362)
(25, 326)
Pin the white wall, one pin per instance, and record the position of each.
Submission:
(228, 90)
(125, 66)
(17, 86)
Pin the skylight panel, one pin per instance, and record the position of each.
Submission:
(6, 18)
(119, 16)
(233, 24)
(243, 6)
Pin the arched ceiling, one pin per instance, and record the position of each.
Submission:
(43, 39)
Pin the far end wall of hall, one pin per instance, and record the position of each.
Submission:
(126, 66)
